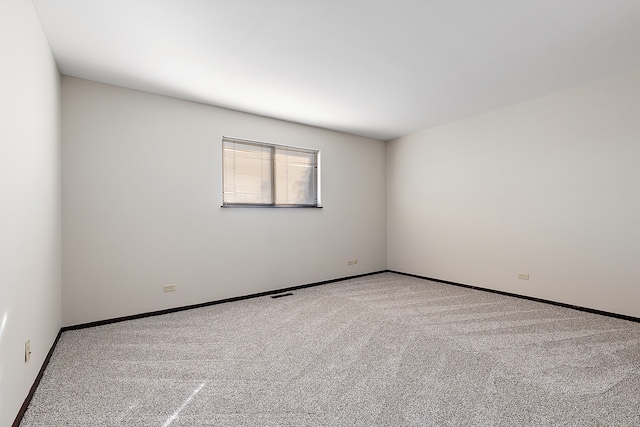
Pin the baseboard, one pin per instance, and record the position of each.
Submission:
(206, 304)
(560, 304)
(27, 401)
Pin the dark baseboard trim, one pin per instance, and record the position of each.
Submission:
(27, 401)
(206, 304)
(560, 304)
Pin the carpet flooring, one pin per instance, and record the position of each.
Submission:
(380, 350)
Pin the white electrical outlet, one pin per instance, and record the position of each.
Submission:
(27, 350)
(169, 288)
(523, 276)
(350, 262)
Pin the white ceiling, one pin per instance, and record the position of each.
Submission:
(375, 68)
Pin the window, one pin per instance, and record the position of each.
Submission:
(262, 174)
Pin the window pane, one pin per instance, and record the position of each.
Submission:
(247, 173)
(296, 174)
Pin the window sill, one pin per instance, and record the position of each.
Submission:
(271, 206)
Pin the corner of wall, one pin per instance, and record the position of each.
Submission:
(30, 216)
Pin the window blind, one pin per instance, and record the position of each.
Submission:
(263, 174)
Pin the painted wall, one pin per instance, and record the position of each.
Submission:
(142, 196)
(30, 217)
(549, 188)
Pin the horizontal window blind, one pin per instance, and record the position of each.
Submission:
(263, 174)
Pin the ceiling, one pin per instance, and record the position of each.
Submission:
(380, 69)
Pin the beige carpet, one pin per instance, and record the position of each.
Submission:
(379, 350)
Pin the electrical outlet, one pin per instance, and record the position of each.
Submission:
(350, 262)
(355, 260)
(169, 288)
(27, 350)
(523, 276)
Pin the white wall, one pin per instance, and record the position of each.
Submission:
(549, 188)
(30, 218)
(142, 196)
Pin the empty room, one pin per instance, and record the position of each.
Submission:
(279, 213)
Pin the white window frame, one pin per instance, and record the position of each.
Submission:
(273, 175)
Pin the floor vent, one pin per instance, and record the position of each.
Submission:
(281, 295)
